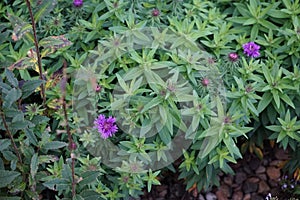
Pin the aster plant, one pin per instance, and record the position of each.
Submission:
(225, 102)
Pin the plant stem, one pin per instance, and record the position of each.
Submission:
(39, 60)
(64, 105)
(10, 135)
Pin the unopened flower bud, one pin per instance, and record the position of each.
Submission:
(205, 82)
(98, 88)
(155, 12)
(72, 146)
(233, 57)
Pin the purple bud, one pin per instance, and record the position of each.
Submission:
(205, 82)
(77, 3)
(155, 12)
(227, 120)
(72, 146)
(98, 88)
(248, 89)
(233, 57)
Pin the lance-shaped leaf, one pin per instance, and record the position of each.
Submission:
(43, 8)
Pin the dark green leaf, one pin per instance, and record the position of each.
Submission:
(165, 136)
(90, 195)
(39, 119)
(239, 20)
(11, 78)
(78, 197)
(278, 14)
(287, 100)
(154, 102)
(66, 172)
(4, 87)
(89, 177)
(1, 164)
(4, 143)
(267, 24)
(8, 155)
(20, 125)
(63, 183)
(264, 102)
(12, 96)
(209, 143)
(254, 31)
(54, 145)
(6, 177)
(29, 87)
(10, 198)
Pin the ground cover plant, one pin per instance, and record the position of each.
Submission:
(97, 98)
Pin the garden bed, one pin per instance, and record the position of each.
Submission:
(149, 99)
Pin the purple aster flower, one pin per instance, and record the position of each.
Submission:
(106, 126)
(77, 3)
(251, 49)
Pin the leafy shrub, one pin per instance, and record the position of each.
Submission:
(176, 75)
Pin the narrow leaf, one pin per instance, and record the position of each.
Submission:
(43, 8)
(34, 165)
(54, 145)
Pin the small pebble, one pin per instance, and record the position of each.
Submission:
(210, 196)
(237, 195)
(273, 172)
(228, 180)
(201, 197)
(247, 197)
(260, 169)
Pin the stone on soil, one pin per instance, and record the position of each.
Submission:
(273, 172)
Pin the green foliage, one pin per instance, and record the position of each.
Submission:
(156, 93)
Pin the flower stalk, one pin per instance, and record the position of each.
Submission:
(39, 60)
(72, 145)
